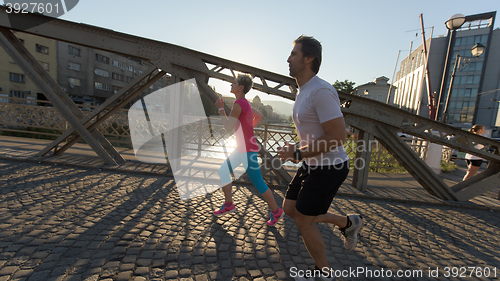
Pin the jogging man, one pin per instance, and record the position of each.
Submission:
(321, 129)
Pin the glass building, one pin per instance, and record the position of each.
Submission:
(474, 94)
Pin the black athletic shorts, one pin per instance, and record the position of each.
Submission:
(476, 163)
(314, 187)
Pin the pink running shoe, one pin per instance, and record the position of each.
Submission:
(225, 210)
(275, 217)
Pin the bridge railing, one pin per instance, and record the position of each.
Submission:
(39, 119)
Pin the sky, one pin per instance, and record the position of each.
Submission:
(361, 38)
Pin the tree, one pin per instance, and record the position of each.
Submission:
(345, 86)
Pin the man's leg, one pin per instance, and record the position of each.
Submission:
(312, 239)
(338, 220)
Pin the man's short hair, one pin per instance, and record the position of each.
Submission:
(246, 81)
(311, 48)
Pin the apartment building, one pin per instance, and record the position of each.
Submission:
(14, 83)
(474, 94)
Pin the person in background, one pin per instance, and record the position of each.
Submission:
(474, 162)
(242, 120)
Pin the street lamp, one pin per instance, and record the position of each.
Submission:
(453, 23)
(476, 51)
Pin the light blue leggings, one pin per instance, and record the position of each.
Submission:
(249, 161)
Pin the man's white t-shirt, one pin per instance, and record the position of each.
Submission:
(317, 102)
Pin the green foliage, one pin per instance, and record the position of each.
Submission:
(447, 167)
(345, 86)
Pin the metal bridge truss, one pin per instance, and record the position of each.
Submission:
(372, 118)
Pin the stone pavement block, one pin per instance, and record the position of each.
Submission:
(119, 207)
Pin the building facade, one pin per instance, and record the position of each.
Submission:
(14, 83)
(377, 90)
(474, 92)
(90, 76)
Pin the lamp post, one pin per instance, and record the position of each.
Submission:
(476, 51)
(452, 24)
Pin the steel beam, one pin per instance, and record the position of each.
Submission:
(135, 90)
(383, 120)
(363, 158)
(56, 95)
(419, 126)
(405, 156)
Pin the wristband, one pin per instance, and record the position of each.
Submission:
(221, 109)
(297, 154)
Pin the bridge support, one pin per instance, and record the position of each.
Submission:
(362, 161)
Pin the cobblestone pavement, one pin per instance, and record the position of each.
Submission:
(66, 223)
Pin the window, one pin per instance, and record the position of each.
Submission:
(119, 64)
(484, 39)
(74, 82)
(44, 65)
(116, 89)
(101, 58)
(102, 86)
(479, 66)
(380, 98)
(454, 93)
(73, 51)
(472, 105)
(74, 66)
(129, 79)
(465, 105)
(458, 41)
(131, 68)
(473, 93)
(42, 49)
(101, 72)
(477, 79)
(3, 98)
(461, 93)
(118, 77)
(16, 77)
(452, 105)
(468, 92)
(18, 94)
(470, 40)
(463, 118)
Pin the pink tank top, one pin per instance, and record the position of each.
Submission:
(246, 122)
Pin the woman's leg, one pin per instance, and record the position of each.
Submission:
(253, 171)
(232, 161)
